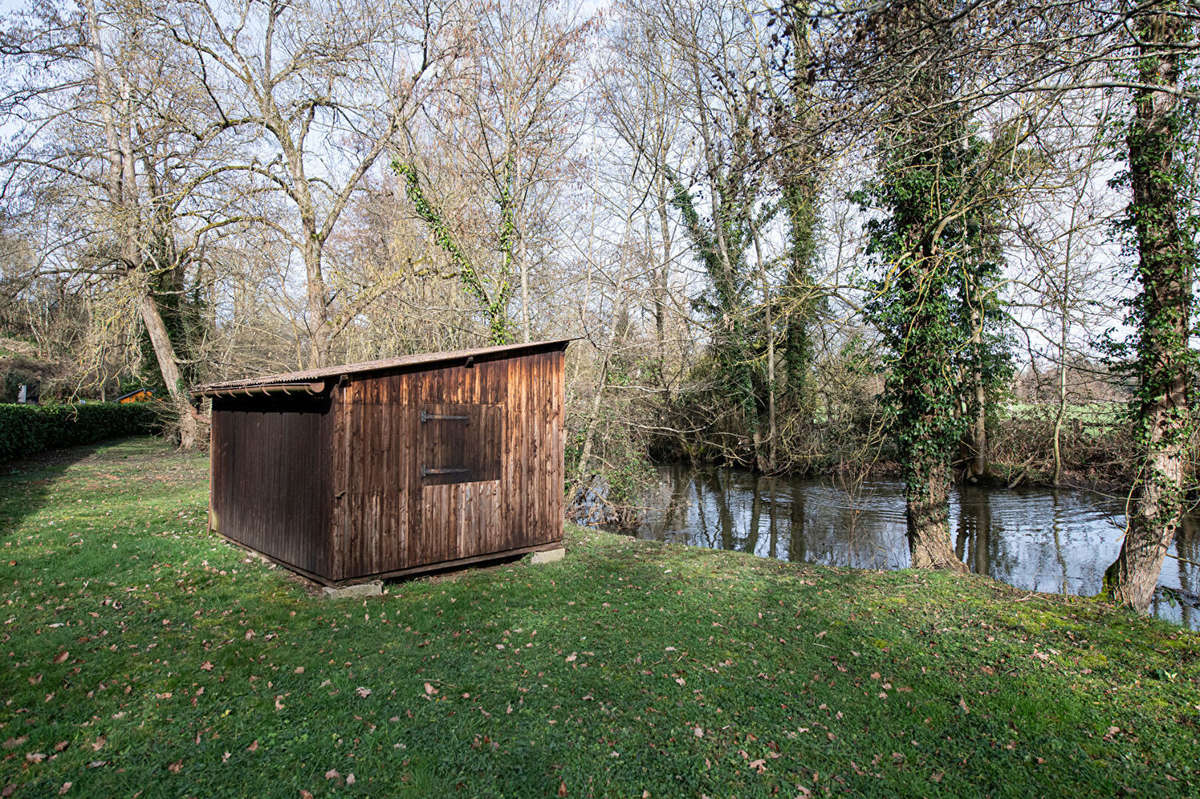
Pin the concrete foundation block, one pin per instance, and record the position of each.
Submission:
(373, 588)
(549, 555)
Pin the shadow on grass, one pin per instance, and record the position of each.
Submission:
(27, 485)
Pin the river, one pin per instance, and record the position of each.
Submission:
(1036, 539)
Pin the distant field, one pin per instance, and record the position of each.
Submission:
(148, 658)
(1092, 413)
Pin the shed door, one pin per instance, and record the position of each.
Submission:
(459, 475)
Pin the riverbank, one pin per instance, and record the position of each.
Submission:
(1048, 540)
(146, 655)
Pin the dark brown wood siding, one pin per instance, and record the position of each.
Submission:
(271, 477)
(388, 516)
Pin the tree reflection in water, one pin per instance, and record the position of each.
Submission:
(1041, 540)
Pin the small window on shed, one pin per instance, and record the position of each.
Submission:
(460, 443)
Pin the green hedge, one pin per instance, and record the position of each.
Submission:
(29, 429)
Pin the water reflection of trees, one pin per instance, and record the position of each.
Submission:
(1038, 540)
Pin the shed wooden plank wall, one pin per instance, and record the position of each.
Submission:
(271, 472)
(387, 517)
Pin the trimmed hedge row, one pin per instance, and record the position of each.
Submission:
(29, 429)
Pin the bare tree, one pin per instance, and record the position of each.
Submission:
(318, 90)
(106, 115)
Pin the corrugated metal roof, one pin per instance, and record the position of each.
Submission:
(427, 359)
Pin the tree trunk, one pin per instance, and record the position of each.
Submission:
(122, 189)
(1061, 411)
(164, 352)
(977, 466)
(1165, 270)
(317, 305)
(927, 510)
(662, 279)
(1064, 322)
(768, 460)
(800, 188)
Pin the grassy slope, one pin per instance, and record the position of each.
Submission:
(143, 655)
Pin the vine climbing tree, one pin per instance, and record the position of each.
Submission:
(918, 239)
(1161, 223)
(493, 300)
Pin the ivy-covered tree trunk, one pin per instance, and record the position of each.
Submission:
(1166, 265)
(920, 243)
(923, 396)
(799, 185)
(799, 196)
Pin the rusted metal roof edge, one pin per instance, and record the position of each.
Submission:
(417, 362)
(287, 389)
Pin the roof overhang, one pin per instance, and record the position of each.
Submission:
(317, 381)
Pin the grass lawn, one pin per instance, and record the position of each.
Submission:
(145, 657)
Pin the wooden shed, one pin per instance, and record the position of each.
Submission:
(393, 467)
